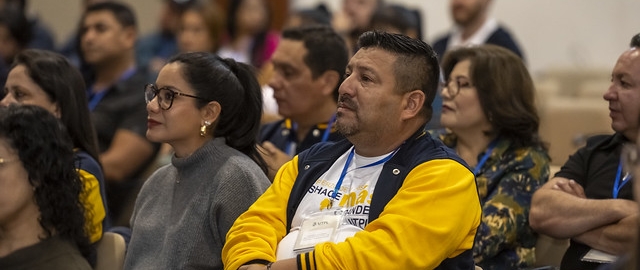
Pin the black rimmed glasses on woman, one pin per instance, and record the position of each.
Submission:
(165, 95)
(453, 86)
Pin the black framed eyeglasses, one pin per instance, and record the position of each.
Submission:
(453, 86)
(164, 95)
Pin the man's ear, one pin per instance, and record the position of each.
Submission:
(413, 103)
(211, 112)
(330, 79)
(130, 36)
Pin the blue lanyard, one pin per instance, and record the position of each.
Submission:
(616, 185)
(95, 98)
(327, 131)
(293, 141)
(346, 166)
(485, 157)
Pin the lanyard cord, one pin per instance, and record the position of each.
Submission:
(617, 186)
(346, 166)
(485, 157)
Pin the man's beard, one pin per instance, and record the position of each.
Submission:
(344, 128)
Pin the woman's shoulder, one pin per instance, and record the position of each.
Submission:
(86, 162)
(53, 253)
(534, 152)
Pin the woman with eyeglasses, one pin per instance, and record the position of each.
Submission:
(48, 80)
(491, 122)
(208, 109)
(42, 222)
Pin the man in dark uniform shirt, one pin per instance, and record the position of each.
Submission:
(309, 66)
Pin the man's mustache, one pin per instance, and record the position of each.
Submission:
(346, 102)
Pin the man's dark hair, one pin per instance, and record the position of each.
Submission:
(123, 13)
(416, 67)
(326, 50)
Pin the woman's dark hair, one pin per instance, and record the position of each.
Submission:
(235, 87)
(505, 90)
(258, 46)
(64, 85)
(46, 153)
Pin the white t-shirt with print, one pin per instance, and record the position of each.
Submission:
(353, 199)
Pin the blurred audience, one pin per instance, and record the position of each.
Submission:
(202, 27)
(309, 66)
(208, 109)
(153, 50)
(398, 19)
(354, 19)
(474, 26)
(491, 122)
(590, 199)
(318, 15)
(15, 35)
(41, 36)
(249, 39)
(70, 48)
(42, 221)
(48, 80)
(116, 102)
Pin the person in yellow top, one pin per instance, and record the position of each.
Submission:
(48, 80)
(387, 197)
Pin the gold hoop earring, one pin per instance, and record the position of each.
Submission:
(203, 128)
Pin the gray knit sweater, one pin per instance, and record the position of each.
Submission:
(185, 209)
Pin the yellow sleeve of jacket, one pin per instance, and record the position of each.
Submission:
(94, 206)
(434, 216)
(256, 233)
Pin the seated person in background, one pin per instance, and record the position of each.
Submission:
(249, 38)
(398, 19)
(590, 199)
(353, 19)
(391, 196)
(154, 49)
(492, 123)
(48, 80)
(116, 101)
(42, 221)
(15, 35)
(208, 109)
(201, 27)
(308, 69)
(305, 17)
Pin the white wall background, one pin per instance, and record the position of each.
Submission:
(553, 33)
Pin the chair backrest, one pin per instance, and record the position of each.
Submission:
(111, 249)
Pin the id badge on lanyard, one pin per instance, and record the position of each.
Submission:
(317, 229)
